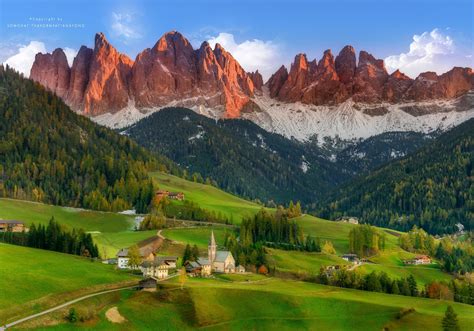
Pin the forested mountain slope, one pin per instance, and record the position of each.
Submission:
(240, 156)
(50, 154)
(432, 188)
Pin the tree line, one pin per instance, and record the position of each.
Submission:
(52, 155)
(54, 237)
(454, 256)
(366, 240)
(431, 188)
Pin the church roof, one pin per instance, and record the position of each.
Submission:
(212, 241)
(221, 256)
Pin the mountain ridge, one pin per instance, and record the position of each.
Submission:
(173, 70)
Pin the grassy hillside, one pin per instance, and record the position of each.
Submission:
(34, 278)
(270, 304)
(196, 236)
(388, 260)
(207, 196)
(111, 231)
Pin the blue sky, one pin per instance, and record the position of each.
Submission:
(262, 34)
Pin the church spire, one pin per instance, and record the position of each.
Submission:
(212, 248)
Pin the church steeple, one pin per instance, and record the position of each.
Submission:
(212, 248)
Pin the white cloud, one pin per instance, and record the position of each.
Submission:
(70, 55)
(123, 26)
(23, 60)
(252, 54)
(430, 51)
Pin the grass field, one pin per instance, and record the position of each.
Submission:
(111, 231)
(270, 304)
(207, 196)
(29, 274)
(196, 236)
(301, 262)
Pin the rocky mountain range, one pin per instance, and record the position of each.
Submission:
(117, 91)
(102, 80)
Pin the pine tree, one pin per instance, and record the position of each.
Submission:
(187, 255)
(450, 320)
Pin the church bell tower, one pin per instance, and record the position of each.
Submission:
(212, 248)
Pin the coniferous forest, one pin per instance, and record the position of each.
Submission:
(64, 158)
(432, 188)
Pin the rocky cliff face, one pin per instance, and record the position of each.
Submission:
(103, 80)
(333, 81)
(52, 71)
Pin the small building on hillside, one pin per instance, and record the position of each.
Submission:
(193, 268)
(154, 269)
(348, 219)
(240, 269)
(170, 195)
(420, 259)
(12, 226)
(146, 254)
(206, 269)
(351, 258)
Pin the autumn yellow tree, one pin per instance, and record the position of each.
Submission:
(134, 258)
(182, 276)
(328, 248)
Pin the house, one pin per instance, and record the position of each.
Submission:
(12, 226)
(193, 268)
(176, 196)
(170, 195)
(170, 261)
(122, 258)
(351, 258)
(157, 269)
(206, 269)
(348, 219)
(146, 254)
(420, 259)
(240, 269)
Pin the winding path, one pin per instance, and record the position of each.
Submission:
(44, 312)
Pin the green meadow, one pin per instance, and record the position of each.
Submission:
(111, 231)
(268, 304)
(196, 235)
(34, 278)
(207, 196)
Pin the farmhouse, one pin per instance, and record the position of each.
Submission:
(351, 258)
(159, 267)
(170, 195)
(348, 219)
(420, 259)
(122, 257)
(12, 226)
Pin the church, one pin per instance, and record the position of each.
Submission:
(216, 261)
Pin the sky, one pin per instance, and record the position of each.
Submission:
(411, 35)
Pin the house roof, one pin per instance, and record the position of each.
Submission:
(193, 264)
(221, 256)
(166, 258)
(123, 252)
(203, 261)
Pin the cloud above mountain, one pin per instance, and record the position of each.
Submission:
(430, 51)
(24, 58)
(123, 27)
(266, 56)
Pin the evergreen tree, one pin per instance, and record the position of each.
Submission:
(450, 320)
